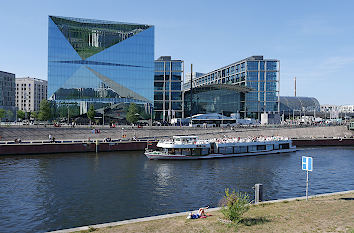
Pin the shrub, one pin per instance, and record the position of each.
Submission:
(234, 205)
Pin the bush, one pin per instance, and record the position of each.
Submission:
(234, 205)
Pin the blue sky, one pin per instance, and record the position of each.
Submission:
(314, 40)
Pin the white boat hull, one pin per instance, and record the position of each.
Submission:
(154, 155)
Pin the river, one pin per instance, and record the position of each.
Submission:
(41, 193)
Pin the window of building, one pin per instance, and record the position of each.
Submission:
(272, 65)
(158, 86)
(252, 65)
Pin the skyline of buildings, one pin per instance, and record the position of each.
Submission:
(96, 61)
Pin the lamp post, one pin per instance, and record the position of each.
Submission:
(103, 117)
(137, 115)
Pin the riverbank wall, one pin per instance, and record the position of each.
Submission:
(27, 148)
(324, 142)
(31, 133)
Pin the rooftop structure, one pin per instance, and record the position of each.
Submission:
(295, 103)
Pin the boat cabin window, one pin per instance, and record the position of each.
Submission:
(261, 147)
(221, 150)
(229, 150)
(186, 151)
(284, 146)
(205, 151)
(172, 151)
(197, 151)
(243, 149)
(252, 148)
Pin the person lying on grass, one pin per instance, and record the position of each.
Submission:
(200, 214)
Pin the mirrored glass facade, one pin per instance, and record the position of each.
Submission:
(288, 104)
(168, 98)
(215, 98)
(261, 75)
(100, 61)
(7, 95)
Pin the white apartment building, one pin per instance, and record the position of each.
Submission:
(29, 93)
(346, 109)
(329, 108)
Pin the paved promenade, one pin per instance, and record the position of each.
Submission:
(83, 133)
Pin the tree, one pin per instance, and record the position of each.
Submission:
(45, 112)
(143, 114)
(21, 114)
(91, 113)
(234, 205)
(2, 113)
(133, 113)
(34, 115)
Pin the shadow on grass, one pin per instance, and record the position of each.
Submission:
(254, 221)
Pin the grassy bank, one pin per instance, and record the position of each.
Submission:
(333, 213)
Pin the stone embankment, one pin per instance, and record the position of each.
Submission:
(83, 133)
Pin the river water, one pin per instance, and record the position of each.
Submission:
(50, 192)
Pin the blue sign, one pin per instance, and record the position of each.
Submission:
(307, 163)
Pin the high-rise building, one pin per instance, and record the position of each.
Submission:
(7, 94)
(95, 61)
(168, 98)
(29, 93)
(261, 75)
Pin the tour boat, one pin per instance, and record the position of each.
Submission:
(190, 147)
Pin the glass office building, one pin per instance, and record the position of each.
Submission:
(261, 75)
(216, 98)
(7, 95)
(95, 61)
(168, 98)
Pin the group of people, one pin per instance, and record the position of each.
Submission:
(107, 139)
(17, 140)
(94, 131)
(51, 138)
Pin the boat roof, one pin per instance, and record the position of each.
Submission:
(186, 137)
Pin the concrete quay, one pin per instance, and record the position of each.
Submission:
(81, 139)
(30, 133)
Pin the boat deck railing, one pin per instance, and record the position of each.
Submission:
(226, 140)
